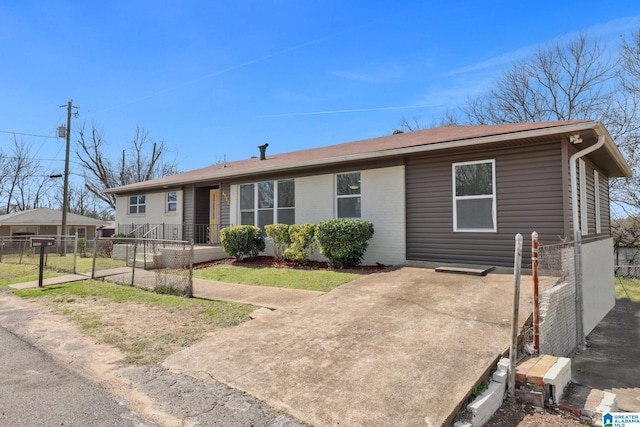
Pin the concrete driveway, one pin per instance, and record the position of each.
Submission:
(400, 347)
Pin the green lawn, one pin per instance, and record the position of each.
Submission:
(145, 326)
(12, 271)
(313, 280)
(628, 288)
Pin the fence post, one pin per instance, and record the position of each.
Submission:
(133, 270)
(190, 284)
(577, 250)
(517, 262)
(75, 252)
(95, 252)
(536, 293)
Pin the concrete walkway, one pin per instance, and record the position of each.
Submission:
(261, 296)
(401, 347)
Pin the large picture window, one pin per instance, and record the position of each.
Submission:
(474, 196)
(348, 188)
(267, 202)
(137, 205)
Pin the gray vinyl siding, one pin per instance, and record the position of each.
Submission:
(605, 207)
(187, 201)
(605, 215)
(225, 208)
(529, 197)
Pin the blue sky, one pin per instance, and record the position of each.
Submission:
(217, 78)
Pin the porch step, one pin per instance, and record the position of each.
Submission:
(474, 270)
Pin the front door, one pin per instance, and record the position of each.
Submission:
(214, 213)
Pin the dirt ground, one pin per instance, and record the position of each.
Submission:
(96, 356)
(514, 413)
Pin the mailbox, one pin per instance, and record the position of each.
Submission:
(38, 242)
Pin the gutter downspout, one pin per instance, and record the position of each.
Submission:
(578, 237)
(574, 179)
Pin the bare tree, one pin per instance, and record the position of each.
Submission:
(411, 125)
(144, 159)
(559, 82)
(19, 172)
(578, 80)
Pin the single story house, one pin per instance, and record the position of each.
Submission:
(452, 194)
(47, 222)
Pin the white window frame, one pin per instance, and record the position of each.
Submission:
(256, 208)
(138, 205)
(170, 202)
(348, 196)
(584, 208)
(71, 231)
(596, 193)
(491, 196)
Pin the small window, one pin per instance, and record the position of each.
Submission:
(137, 205)
(474, 196)
(172, 201)
(348, 188)
(247, 203)
(286, 202)
(82, 232)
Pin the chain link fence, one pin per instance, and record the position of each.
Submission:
(627, 261)
(164, 266)
(18, 250)
(559, 328)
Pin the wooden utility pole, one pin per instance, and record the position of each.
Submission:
(65, 193)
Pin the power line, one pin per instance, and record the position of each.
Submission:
(27, 134)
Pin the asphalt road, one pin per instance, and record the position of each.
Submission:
(35, 391)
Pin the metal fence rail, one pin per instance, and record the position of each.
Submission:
(18, 250)
(165, 266)
(199, 233)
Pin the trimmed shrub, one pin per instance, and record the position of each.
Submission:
(303, 243)
(82, 246)
(279, 235)
(344, 240)
(242, 241)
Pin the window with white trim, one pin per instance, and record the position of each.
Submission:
(82, 232)
(474, 196)
(267, 202)
(596, 195)
(348, 195)
(172, 201)
(137, 205)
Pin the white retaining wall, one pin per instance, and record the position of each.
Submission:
(598, 282)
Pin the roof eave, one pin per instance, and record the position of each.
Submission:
(460, 143)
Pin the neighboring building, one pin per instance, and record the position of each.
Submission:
(47, 222)
(453, 194)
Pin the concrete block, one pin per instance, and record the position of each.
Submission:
(462, 424)
(609, 403)
(536, 398)
(485, 405)
(500, 376)
(558, 376)
(536, 374)
(504, 364)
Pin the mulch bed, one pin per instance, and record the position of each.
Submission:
(267, 261)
